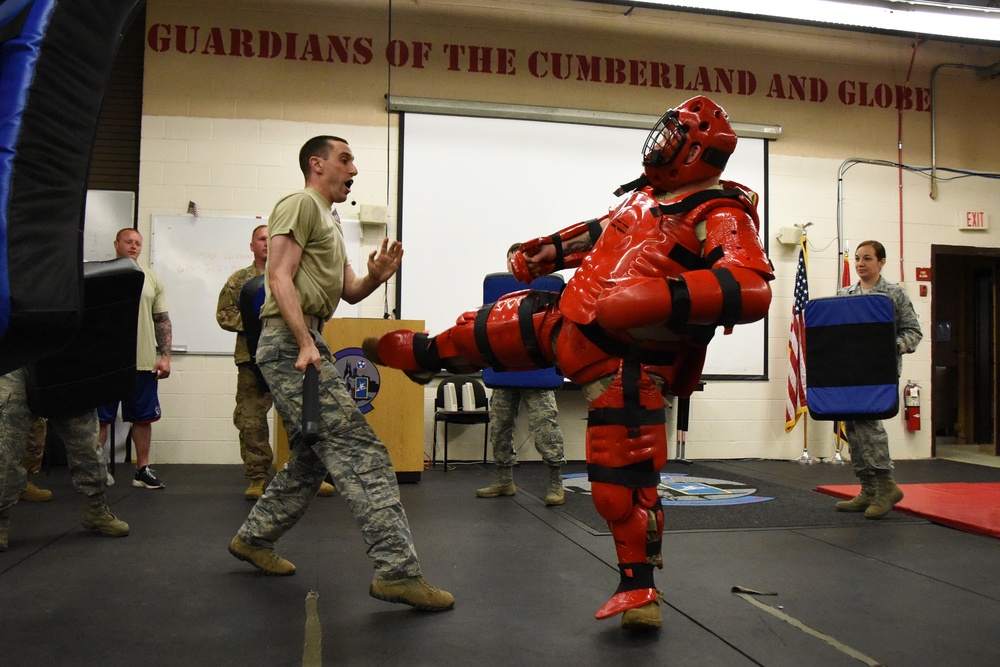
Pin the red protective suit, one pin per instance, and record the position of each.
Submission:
(644, 302)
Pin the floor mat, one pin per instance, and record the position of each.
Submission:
(701, 497)
(972, 507)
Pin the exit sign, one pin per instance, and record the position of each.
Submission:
(973, 220)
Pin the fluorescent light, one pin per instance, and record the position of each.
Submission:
(553, 114)
(900, 16)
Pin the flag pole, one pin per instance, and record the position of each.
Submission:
(806, 457)
(838, 455)
(839, 428)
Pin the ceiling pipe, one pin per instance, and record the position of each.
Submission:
(985, 73)
(844, 166)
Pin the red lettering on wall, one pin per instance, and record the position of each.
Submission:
(214, 45)
(187, 43)
(538, 64)
(923, 96)
(637, 73)
(312, 50)
(480, 59)
(505, 61)
(270, 44)
(240, 43)
(454, 52)
(363, 52)
(883, 96)
(802, 88)
(158, 37)
(400, 54)
(570, 68)
(659, 75)
(291, 39)
(588, 68)
(738, 81)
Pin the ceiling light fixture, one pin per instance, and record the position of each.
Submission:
(908, 17)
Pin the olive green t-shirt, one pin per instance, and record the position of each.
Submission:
(152, 302)
(319, 281)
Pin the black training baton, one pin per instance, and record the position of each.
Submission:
(310, 405)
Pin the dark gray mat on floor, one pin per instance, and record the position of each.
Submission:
(170, 593)
(747, 499)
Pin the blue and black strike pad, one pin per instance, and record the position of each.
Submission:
(55, 63)
(496, 285)
(851, 368)
(251, 301)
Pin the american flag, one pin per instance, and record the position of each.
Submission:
(795, 403)
(192, 209)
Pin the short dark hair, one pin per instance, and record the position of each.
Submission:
(316, 147)
(118, 236)
(879, 248)
(514, 248)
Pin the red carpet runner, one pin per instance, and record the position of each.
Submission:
(972, 507)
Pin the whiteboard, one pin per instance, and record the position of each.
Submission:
(472, 186)
(194, 256)
(107, 211)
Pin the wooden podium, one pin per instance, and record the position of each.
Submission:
(391, 402)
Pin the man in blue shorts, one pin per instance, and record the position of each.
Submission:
(152, 365)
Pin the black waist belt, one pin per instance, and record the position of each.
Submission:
(627, 351)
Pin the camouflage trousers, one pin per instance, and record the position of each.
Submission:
(347, 448)
(250, 418)
(869, 446)
(78, 434)
(35, 446)
(542, 424)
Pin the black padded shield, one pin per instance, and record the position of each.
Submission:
(55, 63)
(98, 365)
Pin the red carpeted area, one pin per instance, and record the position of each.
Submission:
(969, 506)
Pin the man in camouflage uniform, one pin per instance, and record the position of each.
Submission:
(545, 432)
(78, 432)
(307, 275)
(867, 439)
(252, 400)
(32, 461)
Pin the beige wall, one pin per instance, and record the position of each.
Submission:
(224, 117)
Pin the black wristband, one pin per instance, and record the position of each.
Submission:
(560, 255)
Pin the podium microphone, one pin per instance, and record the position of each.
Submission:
(310, 406)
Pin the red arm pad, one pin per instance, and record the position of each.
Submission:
(570, 246)
(727, 296)
(718, 296)
(634, 302)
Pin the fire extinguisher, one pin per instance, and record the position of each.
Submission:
(911, 403)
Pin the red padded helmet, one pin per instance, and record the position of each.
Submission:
(696, 122)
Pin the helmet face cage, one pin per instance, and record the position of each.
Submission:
(697, 123)
(665, 141)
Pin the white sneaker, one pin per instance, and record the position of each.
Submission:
(110, 480)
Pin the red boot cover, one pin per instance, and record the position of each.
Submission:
(635, 590)
(407, 351)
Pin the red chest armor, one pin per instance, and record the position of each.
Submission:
(638, 241)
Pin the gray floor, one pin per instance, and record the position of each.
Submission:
(527, 580)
